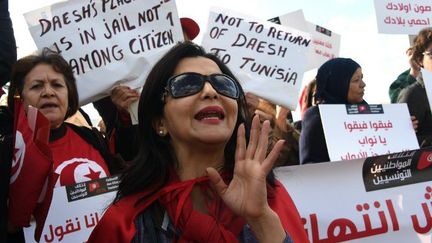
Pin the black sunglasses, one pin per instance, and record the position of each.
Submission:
(187, 84)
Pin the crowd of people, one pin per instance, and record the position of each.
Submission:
(198, 167)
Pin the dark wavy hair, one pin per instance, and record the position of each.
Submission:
(422, 41)
(150, 170)
(24, 66)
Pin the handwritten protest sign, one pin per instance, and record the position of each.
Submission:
(268, 59)
(380, 199)
(75, 210)
(107, 42)
(403, 17)
(325, 43)
(360, 131)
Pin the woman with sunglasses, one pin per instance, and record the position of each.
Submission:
(197, 177)
(415, 93)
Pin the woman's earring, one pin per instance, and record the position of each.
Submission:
(161, 133)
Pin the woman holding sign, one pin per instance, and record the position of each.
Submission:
(202, 174)
(72, 154)
(338, 81)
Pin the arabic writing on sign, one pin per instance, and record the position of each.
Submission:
(60, 231)
(324, 53)
(385, 220)
(402, 21)
(398, 176)
(368, 140)
(406, 7)
(390, 165)
(361, 126)
(359, 155)
(327, 52)
(391, 171)
(372, 140)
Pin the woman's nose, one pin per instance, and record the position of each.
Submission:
(47, 91)
(208, 91)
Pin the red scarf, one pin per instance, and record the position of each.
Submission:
(219, 225)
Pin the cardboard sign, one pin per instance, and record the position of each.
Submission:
(403, 17)
(325, 43)
(268, 59)
(75, 210)
(107, 42)
(360, 131)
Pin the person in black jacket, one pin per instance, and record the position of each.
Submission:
(8, 56)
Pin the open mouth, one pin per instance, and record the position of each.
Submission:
(210, 113)
(48, 105)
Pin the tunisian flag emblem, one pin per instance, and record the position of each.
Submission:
(31, 163)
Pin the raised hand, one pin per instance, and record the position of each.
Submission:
(246, 194)
(123, 97)
(415, 66)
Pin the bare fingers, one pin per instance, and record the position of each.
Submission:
(268, 163)
(217, 181)
(253, 140)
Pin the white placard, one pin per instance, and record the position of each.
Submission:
(360, 131)
(325, 43)
(268, 59)
(339, 201)
(403, 17)
(107, 42)
(75, 210)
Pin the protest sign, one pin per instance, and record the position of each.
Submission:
(325, 43)
(76, 209)
(360, 131)
(403, 17)
(379, 199)
(107, 42)
(268, 59)
(427, 79)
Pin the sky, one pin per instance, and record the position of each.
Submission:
(382, 56)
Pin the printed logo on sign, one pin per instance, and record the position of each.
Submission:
(323, 30)
(18, 159)
(397, 169)
(78, 170)
(275, 20)
(92, 188)
(425, 160)
(364, 109)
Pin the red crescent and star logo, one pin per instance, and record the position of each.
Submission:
(18, 157)
(424, 161)
(78, 170)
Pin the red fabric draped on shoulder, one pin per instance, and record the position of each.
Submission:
(117, 224)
